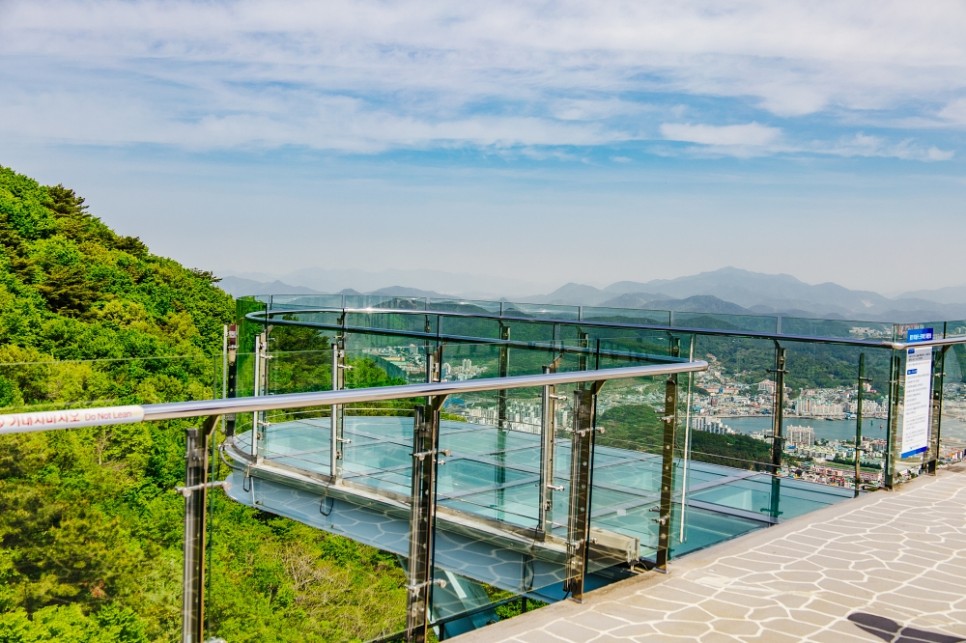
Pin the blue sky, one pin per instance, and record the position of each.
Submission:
(534, 143)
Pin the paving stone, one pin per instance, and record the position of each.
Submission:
(639, 631)
(736, 627)
(797, 581)
(570, 631)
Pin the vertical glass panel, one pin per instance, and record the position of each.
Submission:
(625, 315)
(541, 311)
(822, 413)
(385, 302)
(296, 302)
(836, 328)
(465, 306)
(748, 323)
(952, 447)
(470, 327)
(390, 323)
(627, 467)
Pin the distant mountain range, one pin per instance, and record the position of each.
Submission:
(724, 291)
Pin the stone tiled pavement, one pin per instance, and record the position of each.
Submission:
(889, 566)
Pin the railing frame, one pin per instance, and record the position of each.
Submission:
(425, 463)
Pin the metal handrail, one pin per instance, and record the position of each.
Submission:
(106, 416)
(263, 317)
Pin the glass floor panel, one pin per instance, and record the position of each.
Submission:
(494, 475)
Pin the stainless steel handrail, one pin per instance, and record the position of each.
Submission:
(267, 317)
(106, 416)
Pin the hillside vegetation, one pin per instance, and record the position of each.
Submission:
(90, 531)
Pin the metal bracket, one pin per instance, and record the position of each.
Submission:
(186, 491)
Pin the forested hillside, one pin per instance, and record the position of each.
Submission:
(90, 528)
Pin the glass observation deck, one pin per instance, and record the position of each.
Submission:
(492, 477)
(548, 490)
(509, 451)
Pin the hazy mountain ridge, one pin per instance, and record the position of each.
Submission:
(724, 291)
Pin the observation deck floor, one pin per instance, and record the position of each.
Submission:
(887, 566)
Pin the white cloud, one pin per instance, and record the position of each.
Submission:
(357, 75)
(748, 135)
(954, 112)
(864, 145)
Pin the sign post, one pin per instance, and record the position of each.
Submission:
(917, 395)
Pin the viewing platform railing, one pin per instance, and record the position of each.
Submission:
(897, 379)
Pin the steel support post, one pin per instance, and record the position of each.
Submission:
(777, 434)
(256, 391)
(583, 341)
(548, 413)
(667, 474)
(502, 421)
(422, 518)
(935, 434)
(196, 496)
(434, 365)
(859, 396)
(231, 377)
(581, 472)
(338, 413)
(889, 472)
(778, 413)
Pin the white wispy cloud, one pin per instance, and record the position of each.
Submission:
(864, 145)
(367, 76)
(954, 112)
(747, 135)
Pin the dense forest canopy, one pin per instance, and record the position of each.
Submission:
(90, 532)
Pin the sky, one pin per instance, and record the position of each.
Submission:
(531, 143)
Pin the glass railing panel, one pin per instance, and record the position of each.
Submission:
(325, 322)
(529, 331)
(465, 306)
(954, 328)
(385, 302)
(296, 302)
(393, 323)
(625, 315)
(541, 311)
(747, 323)
(952, 447)
(383, 360)
(880, 331)
(492, 477)
(627, 465)
(464, 361)
(642, 347)
(471, 327)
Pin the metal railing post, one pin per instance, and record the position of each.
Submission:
(938, 381)
(195, 494)
(889, 471)
(231, 375)
(256, 392)
(502, 421)
(581, 472)
(777, 434)
(547, 438)
(669, 419)
(862, 381)
(778, 412)
(583, 341)
(422, 518)
(338, 414)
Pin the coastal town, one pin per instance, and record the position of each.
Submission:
(818, 429)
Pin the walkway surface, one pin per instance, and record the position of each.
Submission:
(889, 566)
